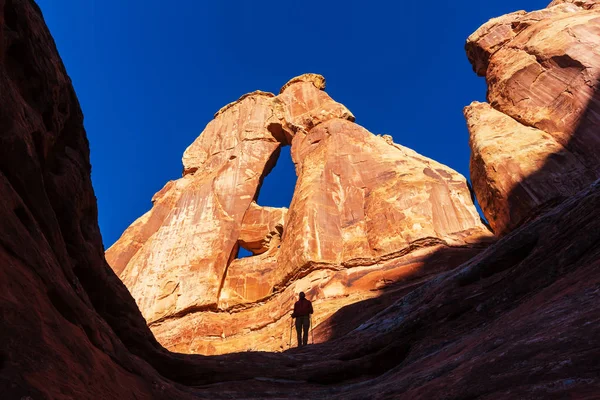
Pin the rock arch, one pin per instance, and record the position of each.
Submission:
(362, 204)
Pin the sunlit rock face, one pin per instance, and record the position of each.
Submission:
(361, 198)
(365, 215)
(183, 247)
(537, 141)
(175, 258)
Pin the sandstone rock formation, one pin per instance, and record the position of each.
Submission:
(537, 141)
(361, 205)
(184, 245)
(262, 228)
(177, 255)
(518, 320)
(353, 186)
(516, 168)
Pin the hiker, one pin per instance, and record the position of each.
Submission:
(302, 311)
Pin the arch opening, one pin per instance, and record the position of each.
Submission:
(273, 198)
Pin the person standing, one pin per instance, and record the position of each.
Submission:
(302, 310)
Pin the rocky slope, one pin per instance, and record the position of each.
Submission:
(365, 214)
(536, 141)
(519, 320)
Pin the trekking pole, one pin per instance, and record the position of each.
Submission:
(291, 324)
(312, 333)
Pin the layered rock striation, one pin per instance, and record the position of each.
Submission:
(536, 141)
(361, 205)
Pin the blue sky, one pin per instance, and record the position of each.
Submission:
(150, 75)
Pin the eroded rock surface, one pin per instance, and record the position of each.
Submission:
(175, 258)
(353, 186)
(361, 205)
(262, 228)
(181, 249)
(516, 168)
(542, 70)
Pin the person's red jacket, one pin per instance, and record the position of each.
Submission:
(302, 308)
